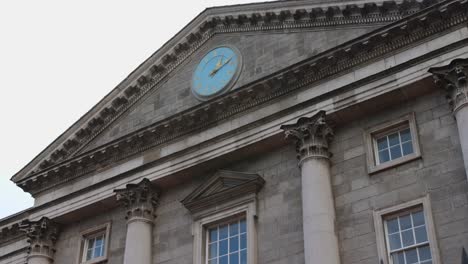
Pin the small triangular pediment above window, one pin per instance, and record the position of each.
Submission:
(222, 187)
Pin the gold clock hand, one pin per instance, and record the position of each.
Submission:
(215, 70)
(219, 68)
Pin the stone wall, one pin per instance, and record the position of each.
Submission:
(439, 173)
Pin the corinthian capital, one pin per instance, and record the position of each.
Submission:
(41, 236)
(312, 136)
(140, 200)
(453, 78)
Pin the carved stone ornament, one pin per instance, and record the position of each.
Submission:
(453, 78)
(312, 135)
(140, 200)
(42, 236)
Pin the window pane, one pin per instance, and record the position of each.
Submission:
(405, 222)
(395, 152)
(213, 234)
(421, 234)
(243, 257)
(407, 148)
(424, 253)
(90, 243)
(234, 229)
(384, 156)
(411, 256)
(213, 250)
(418, 218)
(243, 241)
(223, 232)
(234, 258)
(407, 237)
(234, 244)
(99, 241)
(398, 258)
(405, 135)
(223, 247)
(243, 226)
(394, 241)
(393, 139)
(97, 252)
(427, 262)
(382, 143)
(89, 254)
(392, 226)
(223, 260)
(213, 261)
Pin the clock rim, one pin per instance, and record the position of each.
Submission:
(231, 82)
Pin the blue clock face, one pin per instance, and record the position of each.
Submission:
(216, 72)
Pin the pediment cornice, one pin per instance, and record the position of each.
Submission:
(223, 186)
(371, 46)
(154, 71)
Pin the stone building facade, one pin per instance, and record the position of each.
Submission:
(278, 132)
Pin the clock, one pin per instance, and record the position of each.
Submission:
(216, 72)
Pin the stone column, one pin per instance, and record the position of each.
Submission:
(453, 79)
(140, 200)
(312, 136)
(41, 236)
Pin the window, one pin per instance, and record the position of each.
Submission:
(94, 244)
(405, 234)
(94, 247)
(227, 237)
(227, 243)
(392, 143)
(407, 240)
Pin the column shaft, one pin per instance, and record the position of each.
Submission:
(140, 201)
(320, 240)
(453, 78)
(138, 243)
(462, 122)
(37, 259)
(312, 137)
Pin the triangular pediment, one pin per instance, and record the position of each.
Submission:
(221, 187)
(138, 109)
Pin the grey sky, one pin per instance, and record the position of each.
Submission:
(58, 58)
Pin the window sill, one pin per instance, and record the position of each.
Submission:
(95, 261)
(391, 164)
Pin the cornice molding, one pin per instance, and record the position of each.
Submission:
(286, 19)
(386, 40)
(10, 233)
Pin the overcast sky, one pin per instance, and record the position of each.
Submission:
(58, 58)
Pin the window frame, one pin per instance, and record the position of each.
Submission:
(91, 233)
(380, 217)
(371, 135)
(204, 222)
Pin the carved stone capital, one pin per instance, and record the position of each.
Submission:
(140, 200)
(312, 136)
(42, 236)
(453, 78)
